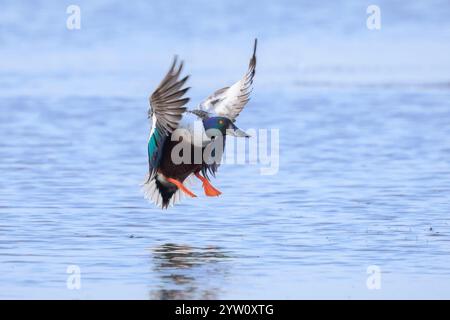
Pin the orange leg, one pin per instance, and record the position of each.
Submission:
(210, 191)
(181, 187)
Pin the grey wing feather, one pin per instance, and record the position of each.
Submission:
(167, 102)
(230, 101)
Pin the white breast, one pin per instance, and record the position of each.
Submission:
(192, 130)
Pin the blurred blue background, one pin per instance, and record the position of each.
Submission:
(364, 173)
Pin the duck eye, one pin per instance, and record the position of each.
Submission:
(220, 121)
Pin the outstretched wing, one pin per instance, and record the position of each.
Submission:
(166, 109)
(166, 102)
(229, 101)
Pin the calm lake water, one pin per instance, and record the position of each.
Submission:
(364, 172)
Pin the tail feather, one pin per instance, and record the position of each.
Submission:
(166, 192)
(160, 194)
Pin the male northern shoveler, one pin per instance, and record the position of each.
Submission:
(214, 117)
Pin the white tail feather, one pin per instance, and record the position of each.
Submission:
(151, 193)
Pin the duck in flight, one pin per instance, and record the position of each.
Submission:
(195, 131)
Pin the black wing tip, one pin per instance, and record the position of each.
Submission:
(180, 68)
(252, 63)
(176, 63)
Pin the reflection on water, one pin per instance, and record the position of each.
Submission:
(187, 272)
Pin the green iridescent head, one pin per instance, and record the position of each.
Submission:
(224, 125)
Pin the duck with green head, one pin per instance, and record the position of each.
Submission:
(194, 132)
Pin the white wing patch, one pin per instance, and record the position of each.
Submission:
(229, 101)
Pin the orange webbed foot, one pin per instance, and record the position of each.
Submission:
(210, 191)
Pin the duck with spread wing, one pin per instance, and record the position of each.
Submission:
(196, 130)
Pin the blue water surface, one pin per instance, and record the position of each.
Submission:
(364, 164)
